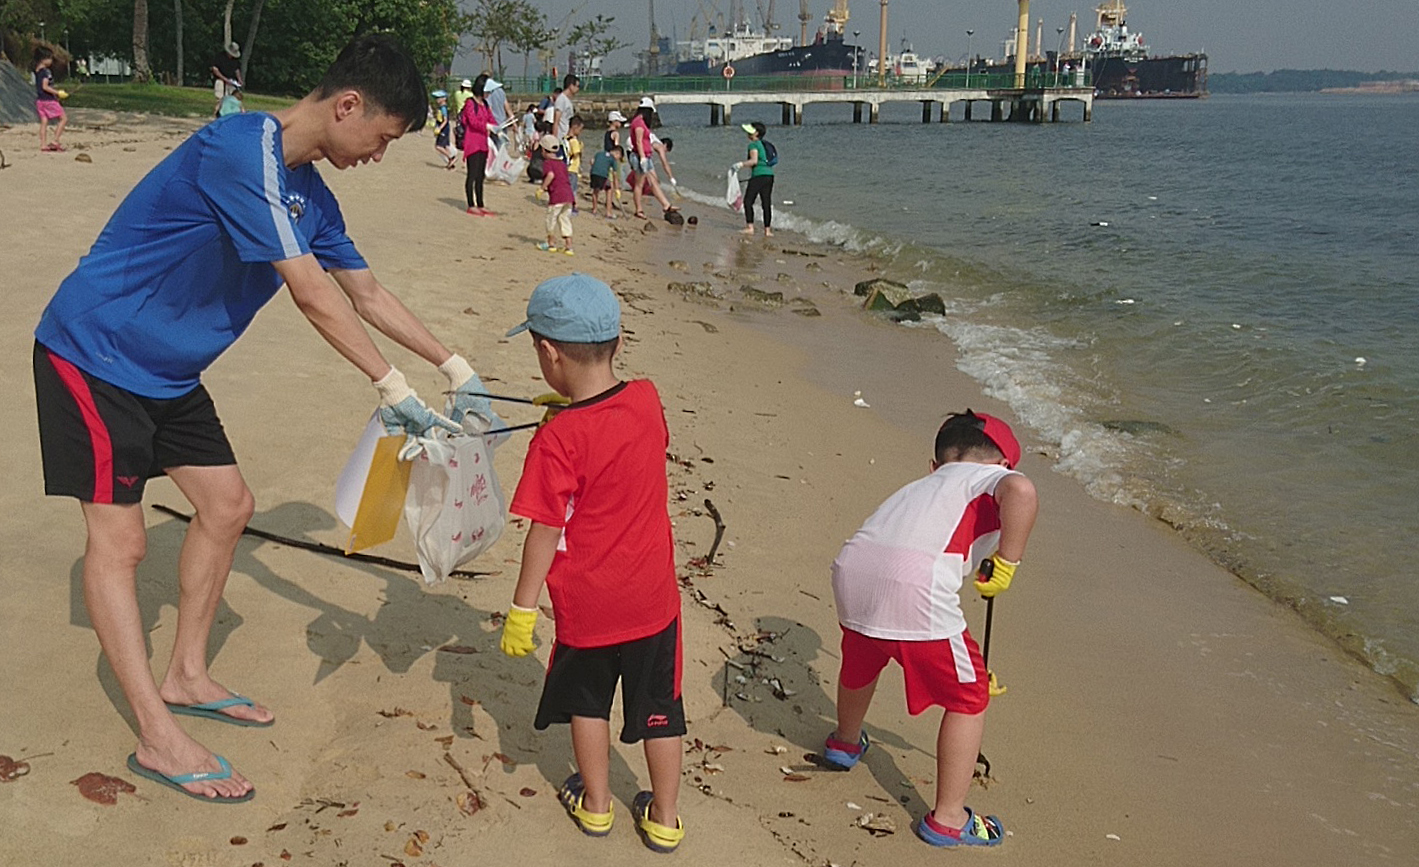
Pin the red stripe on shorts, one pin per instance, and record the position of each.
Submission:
(98, 432)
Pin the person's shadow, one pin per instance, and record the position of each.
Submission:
(774, 666)
(409, 624)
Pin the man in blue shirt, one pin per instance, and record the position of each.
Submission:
(183, 266)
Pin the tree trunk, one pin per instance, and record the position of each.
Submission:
(250, 38)
(142, 72)
(227, 24)
(177, 23)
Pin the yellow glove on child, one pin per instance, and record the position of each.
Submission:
(517, 631)
(994, 575)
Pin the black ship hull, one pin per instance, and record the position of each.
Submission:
(1182, 76)
(831, 58)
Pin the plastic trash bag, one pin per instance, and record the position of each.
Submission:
(371, 489)
(733, 196)
(455, 506)
(507, 165)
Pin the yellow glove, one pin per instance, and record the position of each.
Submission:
(554, 403)
(994, 575)
(994, 686)
(517, 631)
(63, 94)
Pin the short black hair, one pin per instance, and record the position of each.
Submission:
(583, 353)
(669, 143)
(542, 127)
(577, 120)
(41, 52)
(378, 67)
(616, 149)
(570, 80)
(963, 434)
(759, 129)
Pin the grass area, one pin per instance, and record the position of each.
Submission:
(160, 99)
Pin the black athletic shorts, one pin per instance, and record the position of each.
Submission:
(101, 444)
(581, 681)
(600, 182)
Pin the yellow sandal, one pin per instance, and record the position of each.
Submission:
(657, 837)
(572, 794)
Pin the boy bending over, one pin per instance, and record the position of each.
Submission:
(594, 487)
(897, 585)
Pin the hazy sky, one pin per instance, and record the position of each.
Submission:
(1238, 35)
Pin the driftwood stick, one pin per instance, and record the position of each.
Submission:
(718, 531)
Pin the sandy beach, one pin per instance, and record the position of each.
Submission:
(1159, 711)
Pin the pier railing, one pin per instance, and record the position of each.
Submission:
(628, 85)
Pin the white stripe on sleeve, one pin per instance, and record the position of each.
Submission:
(272, 181)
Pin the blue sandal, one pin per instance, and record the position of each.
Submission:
(977, 831)
(572, 794)
(213, 710)
(177, 780)
(843, 755)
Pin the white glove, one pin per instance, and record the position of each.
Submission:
(737, 166)
(466, 394)
(401, 410)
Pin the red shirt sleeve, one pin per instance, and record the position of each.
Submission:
(548, 481)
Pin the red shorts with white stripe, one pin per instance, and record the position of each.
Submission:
(948, 672)
(101, 444)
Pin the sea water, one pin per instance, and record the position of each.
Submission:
(1207, 310)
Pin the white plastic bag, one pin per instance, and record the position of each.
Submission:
(455, 506)
(733, 197)
(507, 165)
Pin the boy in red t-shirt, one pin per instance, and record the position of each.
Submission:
(595, 489)
(560, 199)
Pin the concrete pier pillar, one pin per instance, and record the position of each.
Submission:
(926, 105)
(969, 103)
(857, 112)
(1088, 111)
(798, 114)
(1054, 111)
(714, 114)
(874, 112)
(786, 113)
(997, 111)
(727, 113)
(945, 112)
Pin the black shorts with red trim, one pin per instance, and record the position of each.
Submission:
(581, 681)
(101, 443)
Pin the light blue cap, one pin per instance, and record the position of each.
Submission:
(440, 94)
(575, 308)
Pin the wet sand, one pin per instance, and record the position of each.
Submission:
(1159, 711)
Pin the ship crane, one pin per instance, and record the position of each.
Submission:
(804, 16)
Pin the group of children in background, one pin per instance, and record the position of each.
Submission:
(595, 489)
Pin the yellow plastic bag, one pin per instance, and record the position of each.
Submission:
(369, 495)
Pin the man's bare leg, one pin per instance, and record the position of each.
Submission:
(117, 543)
(223, 505)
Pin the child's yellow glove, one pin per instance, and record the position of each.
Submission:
(517, 631)
(994, 575)
(994, 687)
(63, 94)
(554, 403)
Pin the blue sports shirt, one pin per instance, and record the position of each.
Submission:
(184, 264)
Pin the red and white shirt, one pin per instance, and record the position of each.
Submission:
(597, 470)
(900, 576)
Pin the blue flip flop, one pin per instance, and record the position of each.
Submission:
(176, 782)
(213, 710)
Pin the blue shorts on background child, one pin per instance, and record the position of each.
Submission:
(897, 585)
(595, 489)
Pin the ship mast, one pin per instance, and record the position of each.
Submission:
(803, 18)
(1022, 40)
(1073, 30)
(653, 55)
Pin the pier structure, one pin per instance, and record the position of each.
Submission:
(1017, 104)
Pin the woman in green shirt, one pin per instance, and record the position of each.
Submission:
(761, 180)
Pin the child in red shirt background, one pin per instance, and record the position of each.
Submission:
(560, 199)
(595, 489)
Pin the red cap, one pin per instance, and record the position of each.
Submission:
(1004, 438)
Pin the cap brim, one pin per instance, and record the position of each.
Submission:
(747, 127)
(513, 332)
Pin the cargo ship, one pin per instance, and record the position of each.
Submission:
(1123, 68)
(749, 50)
